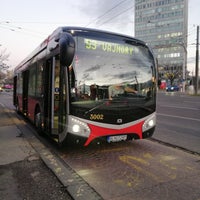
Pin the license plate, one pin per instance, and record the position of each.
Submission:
(116, 138)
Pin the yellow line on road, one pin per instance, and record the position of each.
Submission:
(130, 161)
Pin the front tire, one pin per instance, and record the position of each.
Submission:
(38, 122)
(17, 108)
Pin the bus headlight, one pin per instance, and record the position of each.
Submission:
(78, 127)
(149, 123)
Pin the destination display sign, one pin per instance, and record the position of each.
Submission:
(104, 46)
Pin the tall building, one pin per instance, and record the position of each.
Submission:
(163, 24)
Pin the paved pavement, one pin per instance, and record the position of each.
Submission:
(23, 174)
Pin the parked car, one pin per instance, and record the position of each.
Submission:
(172, 88)
(163, 85)
(8, 87)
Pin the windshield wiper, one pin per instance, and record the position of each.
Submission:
(97, 106)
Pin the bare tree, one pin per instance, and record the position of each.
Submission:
(3, 57)
(3, 66)
(171, 76)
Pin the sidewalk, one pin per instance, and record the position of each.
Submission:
(23, 175)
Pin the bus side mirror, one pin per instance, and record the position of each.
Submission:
(67, 48)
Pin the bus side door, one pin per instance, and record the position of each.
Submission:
(47, 100)
(25, 76)
(51, 95)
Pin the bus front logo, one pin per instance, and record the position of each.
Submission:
(119, 121)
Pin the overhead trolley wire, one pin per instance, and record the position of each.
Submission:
(116, 15)
(99, 17)
(9, 26)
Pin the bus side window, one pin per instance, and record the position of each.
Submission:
(57, 78)
(56, 86)
(39, 86)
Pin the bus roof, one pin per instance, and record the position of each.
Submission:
(73, 30)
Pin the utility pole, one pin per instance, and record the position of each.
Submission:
(197, 63)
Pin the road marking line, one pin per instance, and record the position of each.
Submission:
(175, 116)
(2, 105)
(179, 107)
(130, 161)
(192, 102)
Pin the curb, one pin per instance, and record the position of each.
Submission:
(77, 187)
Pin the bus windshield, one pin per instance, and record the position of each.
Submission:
(115, 72)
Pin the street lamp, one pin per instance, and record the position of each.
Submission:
(184, 63)
(197, 63)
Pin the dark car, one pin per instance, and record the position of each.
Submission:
(172, 88)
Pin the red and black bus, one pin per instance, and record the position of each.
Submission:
(89, 84)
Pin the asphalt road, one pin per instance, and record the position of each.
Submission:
(178, 120)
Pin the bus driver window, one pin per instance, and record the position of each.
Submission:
(120, 90)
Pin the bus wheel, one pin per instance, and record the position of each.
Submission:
(17, 108)
(38, 122)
